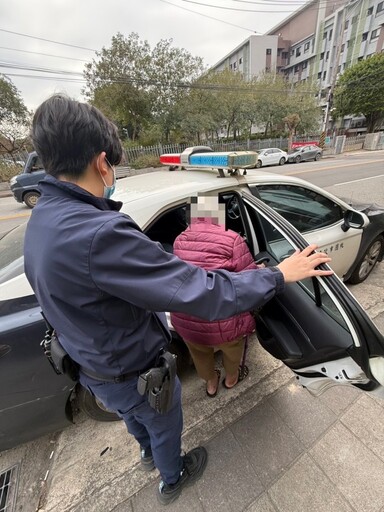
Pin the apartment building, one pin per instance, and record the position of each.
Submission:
(340, 36)
(255, 55)
(318, 41)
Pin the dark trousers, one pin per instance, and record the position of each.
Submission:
(162, 432)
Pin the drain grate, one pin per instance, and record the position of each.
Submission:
(8, 489)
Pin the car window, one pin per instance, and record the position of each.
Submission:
(273, 241)
(304, 208)
(11, 253)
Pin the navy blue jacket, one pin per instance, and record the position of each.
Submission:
(99, 279)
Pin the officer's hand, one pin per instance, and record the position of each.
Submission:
(302, 264)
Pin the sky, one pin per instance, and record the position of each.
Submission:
(91, 24)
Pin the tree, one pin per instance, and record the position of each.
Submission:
(360, 90)
(136, 84)
(14, 119)
(292, 121)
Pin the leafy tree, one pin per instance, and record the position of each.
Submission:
(14, 119)
(360, 90)
(136, 84)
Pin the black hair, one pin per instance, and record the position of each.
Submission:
(67, 135)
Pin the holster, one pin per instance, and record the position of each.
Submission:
(60, 361)
(159, 382)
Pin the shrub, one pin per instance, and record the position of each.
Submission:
(8, 170)
(145, 161)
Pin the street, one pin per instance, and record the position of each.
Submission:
(92, 466)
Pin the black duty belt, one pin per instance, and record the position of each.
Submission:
(120, 378)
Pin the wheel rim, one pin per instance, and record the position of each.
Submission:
(33, 200)
(370, 260)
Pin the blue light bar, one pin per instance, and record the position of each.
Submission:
(226, 160)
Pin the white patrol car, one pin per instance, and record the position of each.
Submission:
(316, 327)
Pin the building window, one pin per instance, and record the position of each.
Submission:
(241, 60)
(375, 34)
(364, 37)
(234, 65)
(330, 34)
(327, 56)
(298, 51)
(360, 58)
(297, 68)
(322, 56)
(284, 55)
(269, 51)
(292, 52)
(230, 66)
(380, 7)
(305, 64)
(325, 35)
(306, 47)
(339, 69)
(324, 75)
(370, 11)
(319, 74)
(354, 20)
(346, 24)
(342, 48)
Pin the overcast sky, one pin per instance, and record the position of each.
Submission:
(92, 23)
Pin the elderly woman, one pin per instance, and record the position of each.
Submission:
(208, 244)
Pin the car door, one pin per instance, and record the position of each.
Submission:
(318, 218)
(268, 157)
(316, 327)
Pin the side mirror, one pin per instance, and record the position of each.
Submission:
(352, 219)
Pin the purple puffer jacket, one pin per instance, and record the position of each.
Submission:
(209, 246)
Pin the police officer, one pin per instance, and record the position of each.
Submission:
(104, 286)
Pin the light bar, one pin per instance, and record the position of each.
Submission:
(227, 160)
(192, 157)
(170, 158)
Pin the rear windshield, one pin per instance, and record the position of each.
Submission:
(11, 253)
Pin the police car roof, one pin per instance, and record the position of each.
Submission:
(145, 195)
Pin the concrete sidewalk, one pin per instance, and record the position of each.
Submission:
(290, 453)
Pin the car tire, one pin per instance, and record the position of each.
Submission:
(258, 164)
(298, 159)
(317, 157)
(30, 198)
(368, 261)
(282, 161)
(92, 407)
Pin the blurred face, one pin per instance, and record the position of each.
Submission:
(208, 207)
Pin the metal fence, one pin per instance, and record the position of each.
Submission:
(354, 143)
(131, 154)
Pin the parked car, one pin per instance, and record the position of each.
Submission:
(25, 186)
(271, 156)
(305, 153)
(316, 327)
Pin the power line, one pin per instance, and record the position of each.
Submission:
(210, 17)
(39, 53)
(47, 40)
(239, 10)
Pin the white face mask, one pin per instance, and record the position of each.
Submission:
(108, 191)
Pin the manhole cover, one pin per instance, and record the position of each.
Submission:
(8, 489)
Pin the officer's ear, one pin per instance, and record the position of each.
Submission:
(100, 164)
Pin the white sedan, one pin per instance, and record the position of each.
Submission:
(271, 156)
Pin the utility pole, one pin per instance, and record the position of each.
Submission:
(333, 78)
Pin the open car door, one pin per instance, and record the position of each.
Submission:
(316, 326)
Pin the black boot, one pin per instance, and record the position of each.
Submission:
(194, 463)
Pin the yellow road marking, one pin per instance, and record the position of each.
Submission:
(334, 168)
(16, 216)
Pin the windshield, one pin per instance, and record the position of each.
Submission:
(11, 253)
